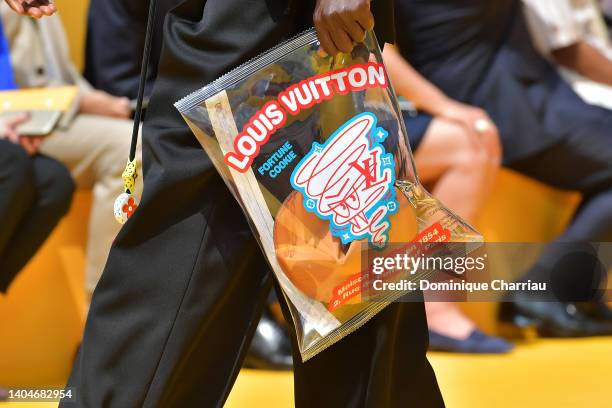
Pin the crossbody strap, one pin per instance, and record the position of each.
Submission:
(126, 203)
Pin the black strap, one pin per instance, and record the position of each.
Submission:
(146, 56)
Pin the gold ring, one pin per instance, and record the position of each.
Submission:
(482, 125)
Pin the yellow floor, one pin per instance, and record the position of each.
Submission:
(540, 374)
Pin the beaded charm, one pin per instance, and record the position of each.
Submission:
(126, 204)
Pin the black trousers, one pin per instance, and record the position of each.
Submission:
(35, 193)
(185, 283)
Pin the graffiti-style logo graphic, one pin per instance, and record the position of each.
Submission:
(349, 181)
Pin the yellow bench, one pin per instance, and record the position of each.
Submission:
(41, 319)
(42, 316)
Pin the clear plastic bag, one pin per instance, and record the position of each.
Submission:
(315, 150)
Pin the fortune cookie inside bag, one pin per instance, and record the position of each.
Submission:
(316, 153)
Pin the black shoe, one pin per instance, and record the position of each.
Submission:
(597, 309)
(551, 319)
(270, 347)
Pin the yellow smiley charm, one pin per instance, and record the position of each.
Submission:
(126, 204)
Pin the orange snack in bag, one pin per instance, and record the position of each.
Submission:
(315, 261)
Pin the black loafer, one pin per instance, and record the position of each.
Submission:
(551, 319)
(270, 347)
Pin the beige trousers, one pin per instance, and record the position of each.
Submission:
(95, 150)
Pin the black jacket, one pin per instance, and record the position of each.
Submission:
(116, 34)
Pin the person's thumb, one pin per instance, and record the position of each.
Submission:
(17, 120)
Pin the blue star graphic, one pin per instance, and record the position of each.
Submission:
(318, 149)
(310, 204)
(386, 161)
(381, 134)
(391, 206)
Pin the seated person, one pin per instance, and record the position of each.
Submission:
(479, 52)
(93, 143)
(35, 193)
(574, 36)
(457, 153)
